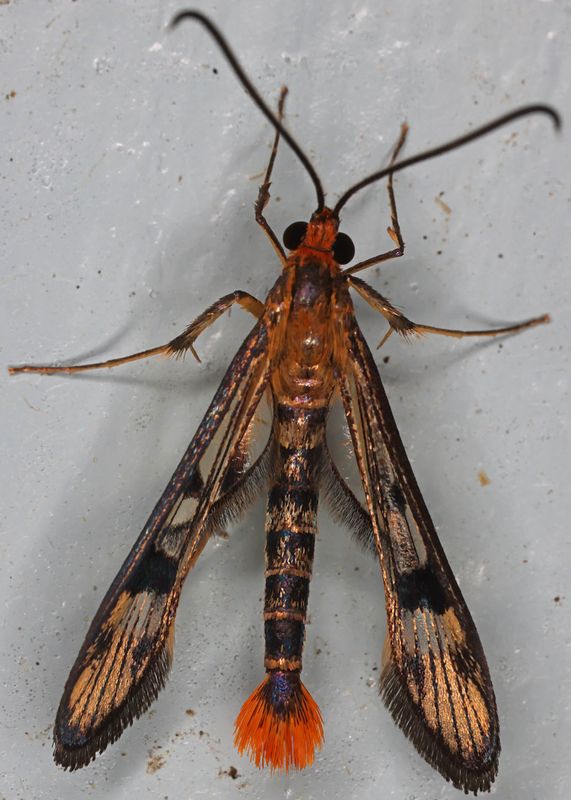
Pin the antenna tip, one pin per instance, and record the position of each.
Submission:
(187, 14)
(551, 112)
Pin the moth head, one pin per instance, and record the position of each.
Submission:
(322, 233)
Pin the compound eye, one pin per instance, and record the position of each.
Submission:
(343, 249)
(294, 235)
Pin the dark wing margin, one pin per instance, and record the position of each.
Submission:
(126, 656)
(435, 680)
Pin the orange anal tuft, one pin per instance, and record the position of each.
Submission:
(280, 737)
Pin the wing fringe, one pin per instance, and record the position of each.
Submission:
(406, 715)
(230, 507)
(73, 749)
(345, 508)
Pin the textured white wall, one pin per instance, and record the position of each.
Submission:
(129, 168)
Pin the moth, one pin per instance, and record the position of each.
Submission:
(305, 351)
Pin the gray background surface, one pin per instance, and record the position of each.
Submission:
(129, 168)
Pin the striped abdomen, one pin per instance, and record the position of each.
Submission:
(280, 724)
(291, 525)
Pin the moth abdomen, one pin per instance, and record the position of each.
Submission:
(280, 724)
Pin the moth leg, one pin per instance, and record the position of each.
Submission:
(393, 230)
(459, 334)
(176, 347)
(264, 190)
(185, 341)
(401, 324)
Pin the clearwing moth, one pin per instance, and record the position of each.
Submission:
(305, 348)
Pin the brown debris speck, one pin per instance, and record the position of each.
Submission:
(443, 206)
(231, 772)
(155, 762)
(483, 478)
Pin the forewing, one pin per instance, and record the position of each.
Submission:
(126, 655)
(435, 679)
